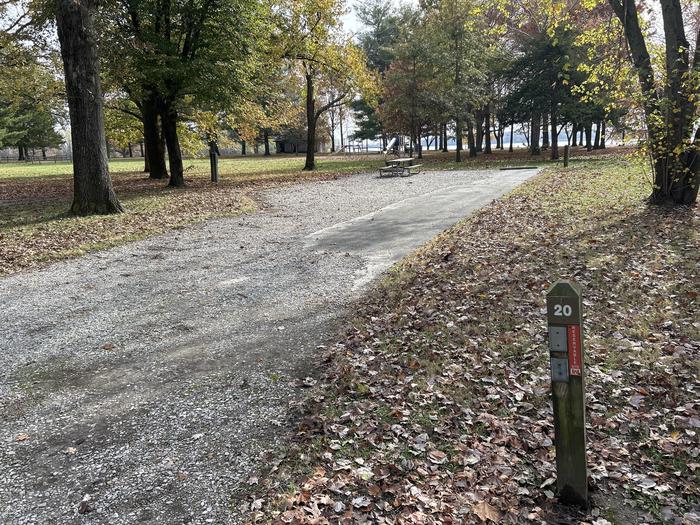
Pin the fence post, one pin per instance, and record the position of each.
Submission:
(214, 161)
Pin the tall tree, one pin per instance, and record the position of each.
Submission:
(92, 185)
(309, 36)
(453, 29)
(183, 56)
(670, 99)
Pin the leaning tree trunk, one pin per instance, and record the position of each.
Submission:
(92, 185)
(169, 122)
(310, 163)
(153, 139)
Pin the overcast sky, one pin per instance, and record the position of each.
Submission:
(350, 22)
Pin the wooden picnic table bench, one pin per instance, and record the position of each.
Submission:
(402, 167)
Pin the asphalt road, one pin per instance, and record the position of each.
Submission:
(146, 383)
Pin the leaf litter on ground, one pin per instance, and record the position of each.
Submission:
(435, 407)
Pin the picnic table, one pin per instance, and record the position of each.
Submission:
(403, 167)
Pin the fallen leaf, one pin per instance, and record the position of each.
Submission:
(486, 512)
(437, 456)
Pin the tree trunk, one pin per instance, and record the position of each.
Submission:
(535, 134)
(266, 140)
(574, 131)
(243, 145)
(43, 153)
(674, 183)
(332, 140)
(444, 138)
(20, 152)
(92, 185)
(589, 129)
(479, 133)
(470, 140)
(340, 126)
(310, 163)
(545, 131)
(487, 131)
(153, 139)
(131, 151)
(510, 147)
(602, 135)
(554, 154)
(169, 119)
(458, 138)
(146, 163)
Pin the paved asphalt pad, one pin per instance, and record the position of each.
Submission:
(144, 384)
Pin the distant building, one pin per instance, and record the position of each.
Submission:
(294, 141)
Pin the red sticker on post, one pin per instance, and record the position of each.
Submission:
(574, 347)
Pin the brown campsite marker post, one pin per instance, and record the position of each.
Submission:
(564, 316)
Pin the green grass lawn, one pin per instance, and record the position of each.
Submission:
(228, 167)
(256, 166)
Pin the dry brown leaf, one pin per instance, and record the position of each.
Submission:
(486, 512)
(437, 456)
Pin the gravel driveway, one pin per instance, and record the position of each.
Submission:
(143, 384)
